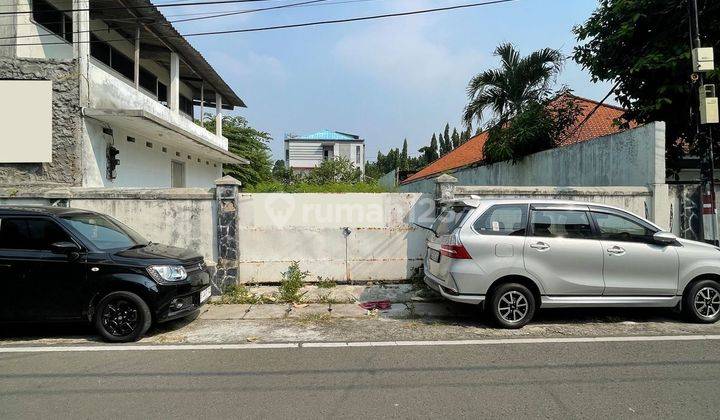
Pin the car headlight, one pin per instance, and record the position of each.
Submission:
(167, 273)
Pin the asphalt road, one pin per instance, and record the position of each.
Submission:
(672, 379)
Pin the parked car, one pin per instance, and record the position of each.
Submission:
(515, 256)
(64, 264)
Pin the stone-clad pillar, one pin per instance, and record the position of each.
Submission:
(444, 190)
(226, 195)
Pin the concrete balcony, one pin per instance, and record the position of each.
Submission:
(115, 101)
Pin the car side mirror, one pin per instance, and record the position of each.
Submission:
(664, 238)
(64, 247)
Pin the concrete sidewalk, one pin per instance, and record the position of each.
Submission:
(406, 310)
(416, 321)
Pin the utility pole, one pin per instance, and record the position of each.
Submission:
(702, 62)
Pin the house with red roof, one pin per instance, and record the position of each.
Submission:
(594, 120)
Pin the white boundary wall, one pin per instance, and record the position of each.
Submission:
(630, 158)
(382, 244)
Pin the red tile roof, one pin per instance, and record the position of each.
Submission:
(600, 123)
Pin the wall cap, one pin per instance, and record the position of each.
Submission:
(227, 180)
(445, 178)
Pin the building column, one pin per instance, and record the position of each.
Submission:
(81, 46)
(218, 114)
(202, 104)
(137, 58)
(227, 193)
(8, 28)
(174, 94)
(660, 206)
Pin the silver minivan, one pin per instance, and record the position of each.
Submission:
(515, 256)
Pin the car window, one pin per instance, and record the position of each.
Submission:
(561, 223)
(618, 228)
(450, 219)
(508, 220)
(104, 233)
(34, 234)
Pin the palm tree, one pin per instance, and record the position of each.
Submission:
(519, 81)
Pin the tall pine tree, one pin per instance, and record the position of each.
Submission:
(455, 138)
(448, 142)
(404, 156)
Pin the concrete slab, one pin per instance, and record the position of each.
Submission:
(268, 312)
(348, 311)
(225, 312)
(309, 310)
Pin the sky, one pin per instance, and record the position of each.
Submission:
(384, 80)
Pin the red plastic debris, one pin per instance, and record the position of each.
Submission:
(376, 304)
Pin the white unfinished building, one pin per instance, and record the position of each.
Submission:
(306, 152)
(106, 93)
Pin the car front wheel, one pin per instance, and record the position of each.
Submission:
(122, 317)
(702, 302)
(512, 305)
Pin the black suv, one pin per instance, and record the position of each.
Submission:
(64, 264)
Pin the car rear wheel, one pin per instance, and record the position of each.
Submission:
(701, 302)
(512, 305)
(122, 317)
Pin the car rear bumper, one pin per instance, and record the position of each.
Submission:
(449, 294)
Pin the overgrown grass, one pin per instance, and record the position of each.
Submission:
(304, 187)
(291, 283)
(325, 283)
(240, 295)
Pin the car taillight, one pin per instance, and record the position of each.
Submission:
(454, 249)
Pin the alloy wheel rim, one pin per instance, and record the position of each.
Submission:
(513, 306)
(707, 302)
(120, 317)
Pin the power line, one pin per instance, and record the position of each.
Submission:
(239, 12)
(597, 106)
(302, 25)
(282, 6)
(150, 6)
(205, 15)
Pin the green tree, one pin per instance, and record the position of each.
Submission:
(404, 156)
(644, 47)
(282, 173)
(248, 143)
(442, 144)
(337, 170)
(448, 140)
(465, 136)
(537, 127)
(518, 82)
(431, 154)
(455, 138)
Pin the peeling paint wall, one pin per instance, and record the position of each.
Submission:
(381, 244)
(183, 217)
(637, 200)
(631, 158)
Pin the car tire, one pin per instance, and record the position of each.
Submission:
(701, 302)
(512, 305)
(122, 317)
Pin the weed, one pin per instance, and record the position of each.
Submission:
(417, 280)
(291, 283)
(325, 283)
(239, 294)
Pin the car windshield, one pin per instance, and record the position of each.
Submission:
(104, 232)
(450, 219)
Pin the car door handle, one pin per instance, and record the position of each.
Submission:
(616, 250)
(540, 246)
(5, 266)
